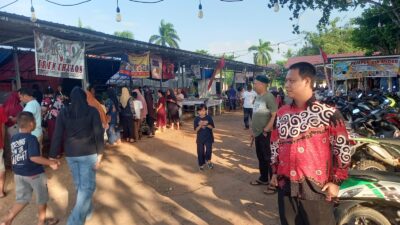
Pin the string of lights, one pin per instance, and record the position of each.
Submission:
(73, 4)
(8, 4)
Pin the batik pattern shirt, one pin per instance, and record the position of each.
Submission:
(309, 149)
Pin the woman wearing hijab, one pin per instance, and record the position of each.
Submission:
(173, 109)
(12, 106)
(92, 101)
(161, 114)
(127, 110)
(83, 144)
(112, 117)
(143, 111)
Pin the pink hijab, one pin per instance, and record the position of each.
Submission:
(143, 112)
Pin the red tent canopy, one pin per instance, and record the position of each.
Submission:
(26, 62)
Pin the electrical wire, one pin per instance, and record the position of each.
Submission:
(147, 2)
(73, 4)
(8, 4)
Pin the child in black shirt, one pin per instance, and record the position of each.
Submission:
(203, 125)
(29, 175)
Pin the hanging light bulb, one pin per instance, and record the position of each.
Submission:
(118, 17)
(276, 7)
(379, 24)
(200, 14)
(33, 14)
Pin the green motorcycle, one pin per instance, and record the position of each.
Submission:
(369, 198)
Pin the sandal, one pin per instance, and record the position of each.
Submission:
(258, 182)
(270, 190)
(51, 221)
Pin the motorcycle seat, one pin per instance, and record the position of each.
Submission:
(378, 175)
(391, 141)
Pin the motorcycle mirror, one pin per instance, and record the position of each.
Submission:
(386, 101)
(355, 111)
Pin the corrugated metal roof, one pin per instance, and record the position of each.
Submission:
(18, 30)
(317, 59)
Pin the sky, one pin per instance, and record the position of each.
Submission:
(225, 27)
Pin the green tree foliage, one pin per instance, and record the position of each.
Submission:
(80, 25)
(167, 35)
(331, 38)
(202, 51)
(262, 52)
(391, 7)
(375, 31)
(124, 34)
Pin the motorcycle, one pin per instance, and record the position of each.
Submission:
(369, 197)
(375, 154)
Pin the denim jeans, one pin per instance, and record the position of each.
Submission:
(248, 113)
(112, 134)
(84, 177)
(232, 104)
(204, 151)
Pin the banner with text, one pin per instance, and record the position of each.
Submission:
(57, 57)
(156, 67)
(136, 65)
(359, 68)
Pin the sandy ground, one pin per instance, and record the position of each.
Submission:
(157, 181)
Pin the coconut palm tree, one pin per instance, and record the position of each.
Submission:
(262, 54)
(167, 36)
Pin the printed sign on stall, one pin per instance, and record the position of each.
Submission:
(156, 67)
(136, 65)
(367, 67)
(57, 57)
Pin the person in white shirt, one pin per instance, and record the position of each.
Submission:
(179, 100)
(248, 101)
(137, 121)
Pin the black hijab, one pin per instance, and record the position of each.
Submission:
(79, 105)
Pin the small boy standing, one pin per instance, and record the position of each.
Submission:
(29, 173)
(136, 120)
(203, 125)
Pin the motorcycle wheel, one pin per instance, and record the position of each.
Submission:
(370, 165)
(363, 216)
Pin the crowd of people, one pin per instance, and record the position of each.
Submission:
(52, 124)
(302, 148)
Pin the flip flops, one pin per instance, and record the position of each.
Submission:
(270, 190)
(258, 182)
(51, 221)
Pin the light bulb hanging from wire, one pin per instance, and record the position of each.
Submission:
(276, 7)
(33, 14)
(200, 14)
(118, 17)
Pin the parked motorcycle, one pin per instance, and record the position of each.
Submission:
(375, 154)
(369, 197)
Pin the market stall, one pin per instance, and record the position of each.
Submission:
(366, 73)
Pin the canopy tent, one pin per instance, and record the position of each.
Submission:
(119, 80)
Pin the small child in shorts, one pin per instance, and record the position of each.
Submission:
(203, 125)
(29, 173)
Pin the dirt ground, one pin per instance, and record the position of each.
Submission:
(157, 181)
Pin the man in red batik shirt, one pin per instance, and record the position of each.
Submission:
(310, 153)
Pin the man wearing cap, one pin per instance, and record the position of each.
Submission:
(264, 111)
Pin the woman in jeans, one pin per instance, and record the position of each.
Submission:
(112, 107)
(84, 144)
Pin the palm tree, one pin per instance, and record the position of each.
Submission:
(167, 36)
(262, 55)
